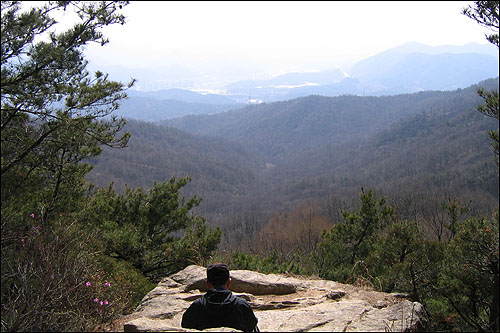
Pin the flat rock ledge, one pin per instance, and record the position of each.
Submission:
(281, 304)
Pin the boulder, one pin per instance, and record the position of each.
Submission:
(194, 277)
(281, 304)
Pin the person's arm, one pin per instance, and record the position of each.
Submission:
(191, 316)
(250, 321)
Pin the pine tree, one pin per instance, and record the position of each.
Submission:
(487, 14)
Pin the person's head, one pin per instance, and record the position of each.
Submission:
(218, 276)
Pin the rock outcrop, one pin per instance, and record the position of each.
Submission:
(280, 303)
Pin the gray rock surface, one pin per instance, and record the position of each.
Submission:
(281, 304)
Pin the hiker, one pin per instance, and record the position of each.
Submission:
(219, 307)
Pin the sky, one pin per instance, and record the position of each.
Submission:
(284, 36)
(218, 42)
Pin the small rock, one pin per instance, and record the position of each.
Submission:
(335, 294)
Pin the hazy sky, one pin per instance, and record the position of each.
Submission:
(285, 36)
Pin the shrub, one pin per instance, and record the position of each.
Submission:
(51, 277)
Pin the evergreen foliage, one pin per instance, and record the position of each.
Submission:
(74, 257)
(352, 240)
(490, 107)
(487, 14)
(470, 277)
(143, 228)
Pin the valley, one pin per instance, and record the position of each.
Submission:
(273, 157)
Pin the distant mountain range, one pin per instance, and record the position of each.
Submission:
(414, 67)
(182, 95)
(172, 103)
(408, 68)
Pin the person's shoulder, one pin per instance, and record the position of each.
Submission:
(197, 302)
(242, 301)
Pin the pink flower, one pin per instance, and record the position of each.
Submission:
(101, 303)
(87, 284)
(38, 228)
(22, 241)
(32, 215)
(106, 302)
(96, 300)
(107, 284)
(52, 277)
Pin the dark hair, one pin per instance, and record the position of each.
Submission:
(217, 275)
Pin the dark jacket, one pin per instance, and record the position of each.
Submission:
(219, 308)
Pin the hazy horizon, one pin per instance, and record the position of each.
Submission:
(221, 41)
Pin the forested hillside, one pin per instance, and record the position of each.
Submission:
(280, 130)
(270, 157)
(156, 153)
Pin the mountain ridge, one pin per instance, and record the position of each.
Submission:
(313, 117)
